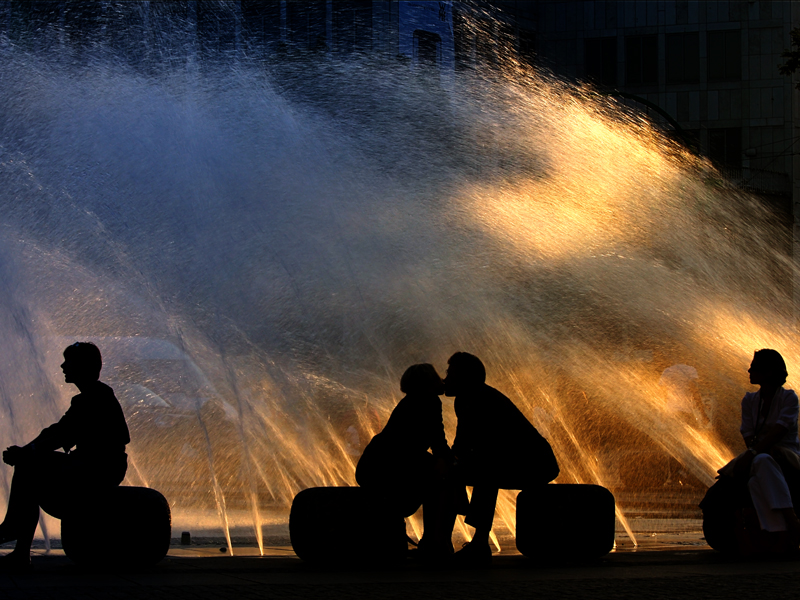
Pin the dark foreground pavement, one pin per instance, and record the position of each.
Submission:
(198, 574)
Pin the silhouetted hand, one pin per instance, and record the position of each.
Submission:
(13, 454)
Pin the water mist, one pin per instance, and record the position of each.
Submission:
(261, 252)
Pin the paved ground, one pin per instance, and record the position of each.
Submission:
(199, 573)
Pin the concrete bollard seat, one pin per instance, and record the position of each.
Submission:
(565, 522)
(555, 522)
(129, 526)
(337, 525)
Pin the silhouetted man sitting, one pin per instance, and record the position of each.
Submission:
(56, 481)
(495, 448)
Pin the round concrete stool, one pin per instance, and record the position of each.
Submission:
(565, 522)
(341, 525)
(130, 526)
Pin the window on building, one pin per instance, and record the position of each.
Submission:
(81, 22)
(352, 26)
(28, 19)
(463, 39)
(682, 12)
(601, 60)
(724, 55)
(172, 27)
(38, 13)
(305, 24)
(426, 47)
(691, 139)
(181, 10)
(216, 29)
(725, 146)
(261, 23)
(683, 57)
(118, 34)
(641, 59)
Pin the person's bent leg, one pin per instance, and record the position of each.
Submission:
(438, 519)
(435, 542)
(22, 514)
(22, 517)
(770, 494)
(480, 514)
(30, 484)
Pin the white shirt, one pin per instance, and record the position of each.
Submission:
(783, 411)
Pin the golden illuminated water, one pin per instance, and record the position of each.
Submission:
(299, 239)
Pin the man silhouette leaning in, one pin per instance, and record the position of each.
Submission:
(60, 481)
(495, 448)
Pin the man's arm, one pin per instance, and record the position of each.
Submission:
(14, 455)
(58, 435)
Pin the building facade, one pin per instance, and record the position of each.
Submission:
(710, 67)
(706, 68)
(142, 32)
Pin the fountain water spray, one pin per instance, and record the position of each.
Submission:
(278, 244)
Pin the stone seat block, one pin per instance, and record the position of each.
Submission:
(565, 522)
(128, 526)
(337, 525)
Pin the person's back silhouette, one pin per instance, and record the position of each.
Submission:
(57, 481)
(495, 448)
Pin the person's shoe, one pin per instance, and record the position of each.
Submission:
(474, 555)
(15, 562)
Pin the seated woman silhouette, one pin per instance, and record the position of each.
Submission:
(772, 458)
(93, 434)
(397, 466)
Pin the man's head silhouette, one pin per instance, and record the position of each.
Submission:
(82, 363)
(464, 372)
